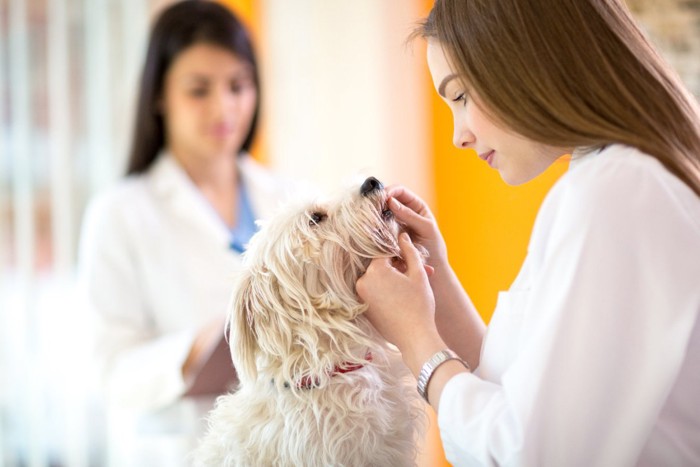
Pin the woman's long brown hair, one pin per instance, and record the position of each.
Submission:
(571, 73)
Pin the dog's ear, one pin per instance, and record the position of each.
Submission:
(266, 304)
(242, 337)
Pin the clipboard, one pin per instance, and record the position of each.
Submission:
(216, 375)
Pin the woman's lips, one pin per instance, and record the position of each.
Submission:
(488, 157)
(221, 130)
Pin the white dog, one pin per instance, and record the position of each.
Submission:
(318, 386)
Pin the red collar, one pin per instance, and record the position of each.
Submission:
(307, 382)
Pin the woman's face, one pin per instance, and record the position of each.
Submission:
(208, 102)
(517, 159)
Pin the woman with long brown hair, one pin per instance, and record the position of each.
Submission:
(159, 249)
(592, 357)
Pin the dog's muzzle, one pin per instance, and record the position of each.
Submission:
(370, 186)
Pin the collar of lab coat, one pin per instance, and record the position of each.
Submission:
(172, 185)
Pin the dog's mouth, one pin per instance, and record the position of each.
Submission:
(363, 226)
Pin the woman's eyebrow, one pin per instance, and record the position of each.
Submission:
(197, 77)
(445, 80)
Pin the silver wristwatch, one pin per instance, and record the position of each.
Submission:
(431, 365)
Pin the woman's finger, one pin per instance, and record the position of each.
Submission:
(411, 255)
(422, 225)
(376, 265)
(409, 199)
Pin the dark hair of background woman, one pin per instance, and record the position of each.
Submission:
(178, 27)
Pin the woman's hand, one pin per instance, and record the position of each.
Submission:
(401, 304)
(409, 209)
(206, 339)
(457, 320)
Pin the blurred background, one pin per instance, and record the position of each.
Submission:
(343, 94)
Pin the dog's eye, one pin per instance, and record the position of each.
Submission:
(316, 218)
(387, 214)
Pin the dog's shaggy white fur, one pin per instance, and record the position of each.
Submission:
(318, 385)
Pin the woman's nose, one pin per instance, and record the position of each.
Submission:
(224, 101)
(463, 138)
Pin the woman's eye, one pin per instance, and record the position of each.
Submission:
(462, 97)
(241, 85)
(200, 92)
(316, 218)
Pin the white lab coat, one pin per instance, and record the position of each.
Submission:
(156, 266)
(592, 357)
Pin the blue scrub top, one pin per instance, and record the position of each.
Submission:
(245, 228)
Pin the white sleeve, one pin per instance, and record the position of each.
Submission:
(139, 368)
(606, 322)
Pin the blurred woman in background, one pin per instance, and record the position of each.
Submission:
(159, 250)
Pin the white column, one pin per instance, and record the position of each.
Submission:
(98, 95)
(20, 129)
(342, 94)
(61, 160)
(4, 243)
(22, 313)
(69, 400)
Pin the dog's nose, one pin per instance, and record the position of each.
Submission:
(370, 185)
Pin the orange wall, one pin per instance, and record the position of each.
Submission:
(247, 11)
